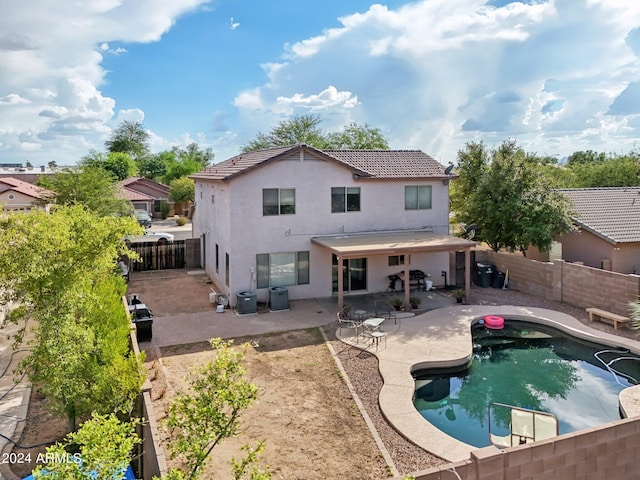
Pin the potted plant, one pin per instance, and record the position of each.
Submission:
(459, 294)
(397, 303)
(415, 301)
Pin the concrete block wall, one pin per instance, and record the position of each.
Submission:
(592, 287)
(529, 276)
(609, 451)
(570, 283)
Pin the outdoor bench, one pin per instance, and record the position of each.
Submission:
(603, 314)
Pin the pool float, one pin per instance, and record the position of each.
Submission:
(494, 322)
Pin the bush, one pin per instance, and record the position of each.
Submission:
(181, 221)
(165, 208)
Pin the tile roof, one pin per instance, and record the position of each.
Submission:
(143, 181)
(382, 164)
(391, 163)
(612, 213)
(125, 193)
(26, 188)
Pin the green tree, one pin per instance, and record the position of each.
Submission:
(193, 152)
(119, 165)
(60, 268)
(305, 129)
(502, 192)
(300, 129)
(177, 167)
(182, 190)
(89, 186)
(356, 137)
(130, 138)
(105, 445)
(153, 166)
(201, 418)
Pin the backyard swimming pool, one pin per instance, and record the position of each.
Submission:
(530, 366)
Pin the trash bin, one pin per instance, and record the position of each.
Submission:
(279, 298)
(483, 274)
(246, 302)
(144, 329)
(497, 280)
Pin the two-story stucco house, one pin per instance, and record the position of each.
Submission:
(322, 223)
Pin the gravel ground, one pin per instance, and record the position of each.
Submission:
(362, 369)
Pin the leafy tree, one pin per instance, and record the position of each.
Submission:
(89, 186)
(153, 166)
(104, 444)
(177, 167)
(355, 137)
(182, 190)
(586, 157)
(203, 417)
(60, 268)
(305, 129)
(130, 138)
(118, 164)
(503, 193)
(195, 153)
(300, 129)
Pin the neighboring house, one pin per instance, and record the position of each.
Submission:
(323, 222)
(17, 195)
(147, 194)
(608, 234)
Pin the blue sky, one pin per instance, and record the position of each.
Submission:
(557, 75)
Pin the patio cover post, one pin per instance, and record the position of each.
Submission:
(407, 284)
(467, 273)
(340, 283)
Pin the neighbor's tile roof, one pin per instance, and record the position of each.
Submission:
(611, 213)
(25, 188)
(125, 193)
(384, 164)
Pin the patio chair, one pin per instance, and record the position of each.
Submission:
(384, 309)
(345, 321)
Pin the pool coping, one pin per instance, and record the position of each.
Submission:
(442, 338)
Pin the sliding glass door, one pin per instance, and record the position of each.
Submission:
(354, 274)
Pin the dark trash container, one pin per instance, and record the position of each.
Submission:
(246, 302)
(279, 298)
(142, 317)
(497, 280)
(483, 274)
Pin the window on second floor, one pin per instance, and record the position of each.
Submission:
(417, 197)
(345, 199)
(278, 201)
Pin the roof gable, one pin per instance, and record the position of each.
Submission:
(134, 183)
(375, 164)
(611, 213)
(25, 188)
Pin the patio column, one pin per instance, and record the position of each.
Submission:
(340, 283)
(407, 284)
(467, 273)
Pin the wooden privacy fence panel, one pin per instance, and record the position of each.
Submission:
(159, 256)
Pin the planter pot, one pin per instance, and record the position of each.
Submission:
(459, 300)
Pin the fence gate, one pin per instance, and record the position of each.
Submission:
(158, 256)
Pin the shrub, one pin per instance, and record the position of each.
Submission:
(181, 221)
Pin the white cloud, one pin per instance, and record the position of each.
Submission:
(435, 74)
(326, 99)
(233, 25)
(51, 56)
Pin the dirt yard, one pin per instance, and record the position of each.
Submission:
(305, 413)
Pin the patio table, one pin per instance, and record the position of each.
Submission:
(373, 323)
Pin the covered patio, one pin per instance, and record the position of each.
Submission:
(394, 243)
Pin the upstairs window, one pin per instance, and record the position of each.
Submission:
(345, 199)
(278, 201)
(417, 197)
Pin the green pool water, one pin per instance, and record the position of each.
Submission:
(530, 366)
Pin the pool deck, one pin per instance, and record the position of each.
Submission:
(442, 338)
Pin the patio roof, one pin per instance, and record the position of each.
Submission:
(358, 245)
